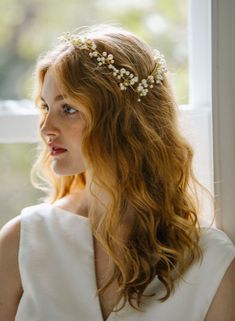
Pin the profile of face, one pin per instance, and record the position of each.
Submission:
(62, 128)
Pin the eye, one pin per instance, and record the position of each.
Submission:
(69, 110)
(44, 108)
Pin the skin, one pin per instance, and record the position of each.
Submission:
(64, 125)
(222, 307)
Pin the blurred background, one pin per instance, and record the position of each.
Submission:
(29, 28)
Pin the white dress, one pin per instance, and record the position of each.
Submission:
(56, 262)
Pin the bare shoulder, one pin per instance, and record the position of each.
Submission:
(222, 307)
(11, 287)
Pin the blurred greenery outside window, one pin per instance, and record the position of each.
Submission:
(28, 28)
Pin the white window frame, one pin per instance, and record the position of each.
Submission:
(223, 98)
(208, 120)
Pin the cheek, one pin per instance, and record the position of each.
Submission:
(75, 142)
(77, 134)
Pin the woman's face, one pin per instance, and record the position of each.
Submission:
(62, 128)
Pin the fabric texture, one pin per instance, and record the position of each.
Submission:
(56, 262)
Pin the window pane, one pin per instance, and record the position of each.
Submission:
(16, 189)
(29, 27)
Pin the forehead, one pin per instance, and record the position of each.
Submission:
(51, 91)
(50, 85)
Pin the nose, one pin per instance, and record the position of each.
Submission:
(48, 127)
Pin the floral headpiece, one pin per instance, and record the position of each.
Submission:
(125, 77)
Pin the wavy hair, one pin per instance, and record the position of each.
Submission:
(139, 148)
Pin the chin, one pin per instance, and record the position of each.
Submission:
(67, 171)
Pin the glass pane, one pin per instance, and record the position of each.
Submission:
(16, 189)
(29, 27)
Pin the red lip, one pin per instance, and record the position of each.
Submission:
(56, 149)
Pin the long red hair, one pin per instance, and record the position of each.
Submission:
(139, 147)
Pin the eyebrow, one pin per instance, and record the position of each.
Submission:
(57, 98)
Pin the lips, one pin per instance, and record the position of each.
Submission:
(56, 149)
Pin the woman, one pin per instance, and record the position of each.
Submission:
(118, 236)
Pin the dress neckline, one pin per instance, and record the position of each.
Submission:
(59, 210)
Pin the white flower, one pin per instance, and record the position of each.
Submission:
(122, 86)
(141, 87)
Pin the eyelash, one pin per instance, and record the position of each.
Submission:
(44, 109)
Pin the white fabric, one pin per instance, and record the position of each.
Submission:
(56, 261)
